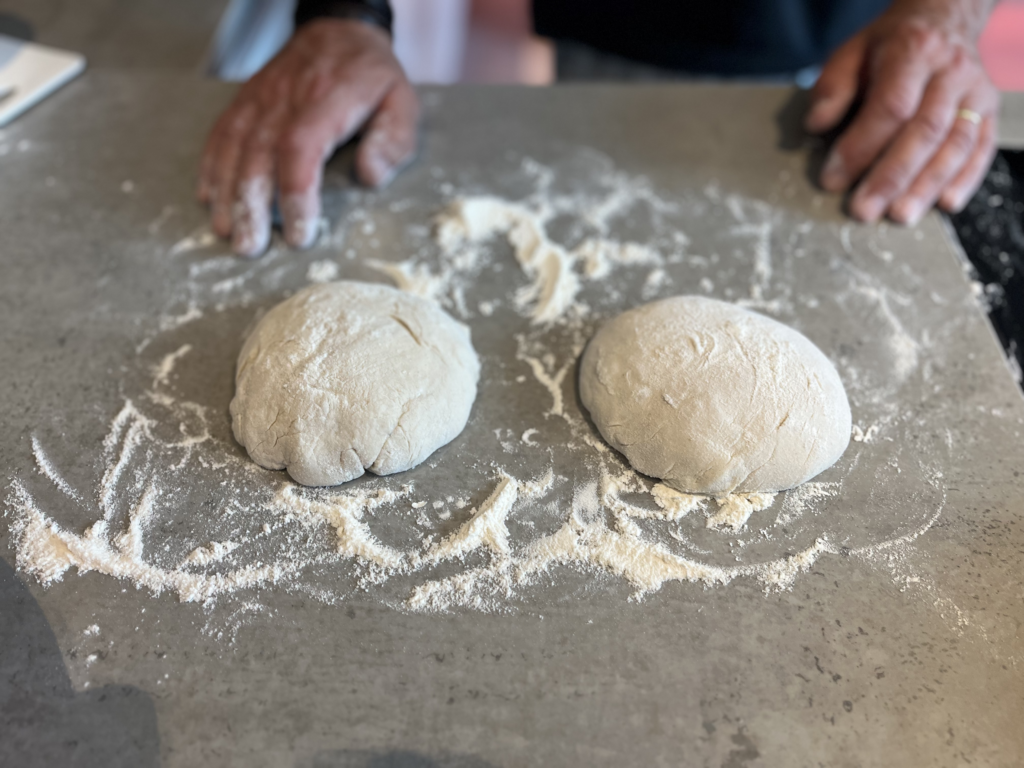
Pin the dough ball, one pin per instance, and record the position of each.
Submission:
(346, 377)
(714, 399)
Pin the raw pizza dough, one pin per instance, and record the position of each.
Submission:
(714, 399)
(346, 377)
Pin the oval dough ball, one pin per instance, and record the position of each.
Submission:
(346, 377)
(714, 399)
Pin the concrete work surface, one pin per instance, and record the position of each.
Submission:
(164, 602)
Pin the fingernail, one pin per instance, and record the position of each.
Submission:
(910, 212)
(381, 172)
(817, 111)
(957, 201)
(868, 208)
(833, 174)
(250, 232)
(301, 214)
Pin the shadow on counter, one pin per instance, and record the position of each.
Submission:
(43, 721)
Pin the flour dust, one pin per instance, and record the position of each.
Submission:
(528, 504)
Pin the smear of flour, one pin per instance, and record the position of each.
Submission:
(201, 238)
(46, 551)
(171, 322)
(416, 279)
(345, 513)
(905, 348)
(803, 498)
(162, 371)
(51, 473)
(555, 272)
(582, 542)
(674, 504)
(552, 381)
(864, 435)
(213, 552)
(549, 266)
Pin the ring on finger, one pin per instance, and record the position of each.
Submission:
(970, 116)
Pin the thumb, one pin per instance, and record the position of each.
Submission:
(837, 86)
(389, 140)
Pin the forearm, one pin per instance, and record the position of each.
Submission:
(377, 12)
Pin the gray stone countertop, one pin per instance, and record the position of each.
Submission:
(899, 644)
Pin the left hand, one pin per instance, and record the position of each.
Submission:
(926, 130)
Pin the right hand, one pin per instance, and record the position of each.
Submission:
(926, 131)
(332, 78)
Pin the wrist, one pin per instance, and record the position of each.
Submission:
(373, 12)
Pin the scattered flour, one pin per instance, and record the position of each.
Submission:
(674, 504)
(203, 237)
(735, 509)
(213, 552)
(162, 371)
(46, 468)
(554, 284)
(865, 435)
(605, 519)
(323, 271)
(46, 551)
(801, 499)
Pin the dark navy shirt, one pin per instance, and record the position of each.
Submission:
(723, 37)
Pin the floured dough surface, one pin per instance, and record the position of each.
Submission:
(713, 398)
(346, 377)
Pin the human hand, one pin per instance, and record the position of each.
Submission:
(926, 130)
(333, 77)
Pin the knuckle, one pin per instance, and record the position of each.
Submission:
(962, 63)
(962, 138)
(919, 37)
(293, 140)
(931, 128)
(897, 104)
(888, 182)
(261, 138)
(236, 124)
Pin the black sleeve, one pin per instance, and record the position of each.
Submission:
(376, 12)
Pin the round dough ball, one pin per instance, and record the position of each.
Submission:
(344, 377)
(714, 399)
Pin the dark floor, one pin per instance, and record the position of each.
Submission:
(991, 231)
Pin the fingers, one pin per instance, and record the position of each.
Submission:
(965, 140)
(925, 190)
(204, 190)
(226, 151)
(313, 135)
(253, 194)
(837, 86)
(303, 148)
(389, 141)
(898, 80)
(915, 144)
(967, 181)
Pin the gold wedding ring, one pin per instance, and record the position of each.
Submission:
(970, 115)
